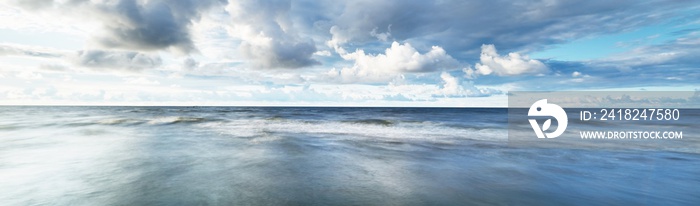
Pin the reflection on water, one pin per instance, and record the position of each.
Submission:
(313, 156)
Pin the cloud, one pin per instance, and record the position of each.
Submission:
(510, 65)
(34, 4)
(381, 36)
(135, 24)
(285, 33)
(151, 25)
(53, 67)
(452, 87)
(269, 37)
(324, 53)
(668, 64)
(190, 64)
(116, 60)
(461, 26)
(140, 81)
(397, 59)
(23, 50)
(100, 60)
(671, 63)
(679, 53)
(361, 46)
(29, 75)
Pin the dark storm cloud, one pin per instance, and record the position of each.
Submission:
(116, 60)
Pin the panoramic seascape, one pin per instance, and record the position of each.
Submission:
(315, 156)
(370, 102)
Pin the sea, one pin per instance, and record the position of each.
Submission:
(82, 155)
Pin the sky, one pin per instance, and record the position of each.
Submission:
(339, 53)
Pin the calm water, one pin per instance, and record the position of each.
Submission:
(314, 156)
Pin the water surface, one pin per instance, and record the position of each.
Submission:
(314, 156)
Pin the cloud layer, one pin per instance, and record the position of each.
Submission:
(359, 51)
(116, 60)
(135, 24)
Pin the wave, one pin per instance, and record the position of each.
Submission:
(369, 129)
(177, 119)
(153, 121)
(372, 122)
(120, 121)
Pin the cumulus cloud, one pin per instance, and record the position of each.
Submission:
(269, 36)
(452, 87)
(397, 59)
(509, 65)
(116, 60)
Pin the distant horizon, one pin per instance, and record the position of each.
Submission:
(269, 106)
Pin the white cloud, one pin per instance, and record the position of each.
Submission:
(577, 77)
(510, 65)
(324, 53)
(397, 59)
(452, 87)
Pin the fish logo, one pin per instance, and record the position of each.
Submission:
(542, 109)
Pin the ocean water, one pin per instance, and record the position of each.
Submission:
(316, 156)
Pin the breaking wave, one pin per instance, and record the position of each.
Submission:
(369, 128)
